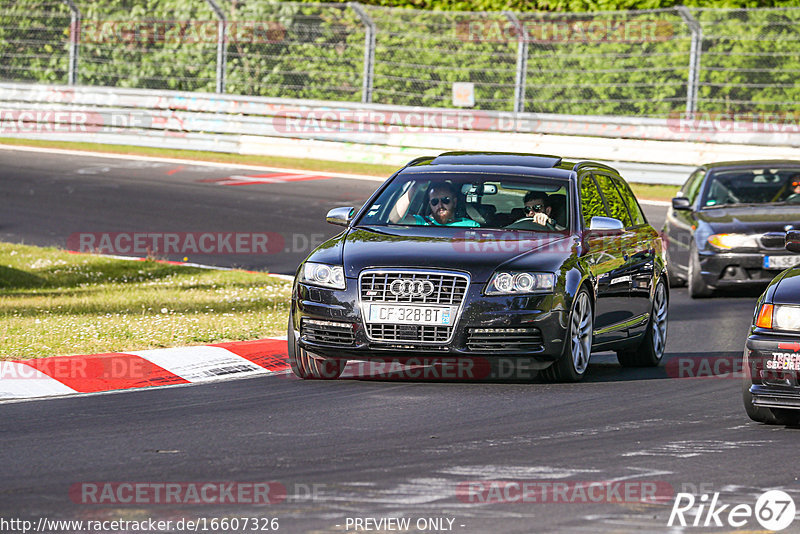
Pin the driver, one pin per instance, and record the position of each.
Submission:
(538, 208)
(794, 189)
(443, 201)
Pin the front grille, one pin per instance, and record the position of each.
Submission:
(448, 288)
(774, 240)
(504, 339)
(327, 332)
(411, 332)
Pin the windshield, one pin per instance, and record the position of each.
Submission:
(485, 201)
(753, 186)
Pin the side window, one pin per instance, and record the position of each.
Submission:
(591, 201)
(630, 201)
(616, 206)
(692, 186)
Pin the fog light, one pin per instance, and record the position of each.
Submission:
(504, 330)
(317, 322)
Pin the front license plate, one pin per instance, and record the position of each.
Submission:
(780, 262)
(394, 314)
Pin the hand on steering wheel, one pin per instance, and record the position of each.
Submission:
(541, 219)
(544, 221)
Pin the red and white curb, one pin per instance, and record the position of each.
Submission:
(67, 375)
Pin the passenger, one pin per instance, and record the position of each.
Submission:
(443, 202)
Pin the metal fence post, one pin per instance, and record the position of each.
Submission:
(695, 52)
(522, 62)
(369, 52)
(74, 40)
(222, 44)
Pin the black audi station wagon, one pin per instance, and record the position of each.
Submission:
(485, 257)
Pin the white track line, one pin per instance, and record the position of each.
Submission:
(132, 157)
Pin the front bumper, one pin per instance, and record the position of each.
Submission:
(737, 269)
(772, 367)
(329, 323)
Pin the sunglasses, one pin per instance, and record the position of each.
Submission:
(795, 184)
(445, 201)
(538, 208)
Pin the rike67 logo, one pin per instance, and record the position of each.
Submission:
(774, 510)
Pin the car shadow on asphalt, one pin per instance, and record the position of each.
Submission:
(603, 367)
(674, 365)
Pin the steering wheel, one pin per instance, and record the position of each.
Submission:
(527, 226)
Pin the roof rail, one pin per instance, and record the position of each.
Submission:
(582, 164)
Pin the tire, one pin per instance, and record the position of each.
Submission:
(768, 416)
(651, 349)
(571, 366)
(785, 417)
(306, 366)
(698, 289)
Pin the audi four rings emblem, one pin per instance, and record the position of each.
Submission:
(411, 288)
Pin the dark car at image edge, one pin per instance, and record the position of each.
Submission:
(771, 362)
(492, 282)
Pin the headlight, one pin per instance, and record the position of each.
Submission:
(786, 318)
(731, 241)
(319, 274)
(508, 283)
(778, 317)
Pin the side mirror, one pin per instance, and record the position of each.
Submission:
(792, 241)
(681, 203)
(340, 216)
(606, 225)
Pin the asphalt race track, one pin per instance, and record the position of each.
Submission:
(48, 198)
(374, 448)
(55, 199)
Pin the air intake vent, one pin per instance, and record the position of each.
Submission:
(327, 333)
(505, 340)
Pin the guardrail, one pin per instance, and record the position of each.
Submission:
(371, 132)
(623, 63)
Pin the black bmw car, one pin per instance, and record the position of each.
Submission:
(771, 388)
(727, 226)
(485, 256)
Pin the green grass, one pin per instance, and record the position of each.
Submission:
(654, 191)
(647, 191)
(56, 303)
